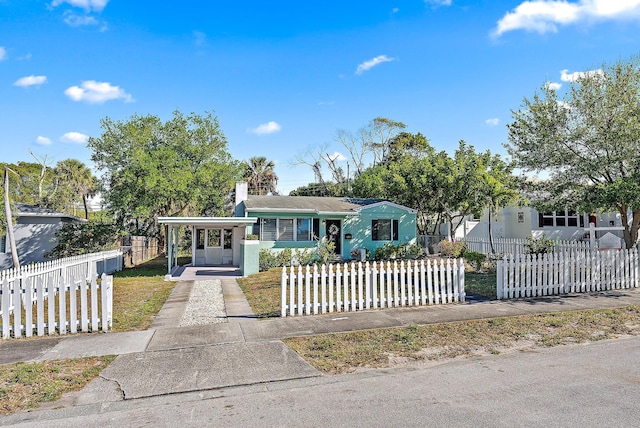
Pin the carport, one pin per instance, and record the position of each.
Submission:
(215, 241)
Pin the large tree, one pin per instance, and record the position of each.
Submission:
(74, 183)
(153, 168)
(260, 175)
(440, 187)
(587, 142)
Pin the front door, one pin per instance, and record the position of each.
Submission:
(219, 247)
(334, 234)
(213, 247)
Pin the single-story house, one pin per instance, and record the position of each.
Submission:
(295, 222)
(298, 222)
(35, 234)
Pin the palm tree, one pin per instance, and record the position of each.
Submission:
(258, 172)
(76, 178)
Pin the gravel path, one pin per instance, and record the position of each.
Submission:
(206, 304)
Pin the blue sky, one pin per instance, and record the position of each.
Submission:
(283, 77)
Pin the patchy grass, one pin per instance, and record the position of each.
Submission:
(346, 352)
(139, 293)
(138, 296)
(24, 386)
(262, 291)
(481, 283)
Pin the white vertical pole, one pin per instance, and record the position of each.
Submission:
(283, 292)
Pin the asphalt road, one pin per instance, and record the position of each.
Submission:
(594, 385)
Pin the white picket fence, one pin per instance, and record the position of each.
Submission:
(517, 246)
(562, 272)
(359, 286)
(66, 290)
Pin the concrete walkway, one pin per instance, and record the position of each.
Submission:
(166, 359)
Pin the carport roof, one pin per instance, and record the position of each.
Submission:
(208, 221)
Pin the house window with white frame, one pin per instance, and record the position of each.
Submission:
(384, 230)
(289, 229)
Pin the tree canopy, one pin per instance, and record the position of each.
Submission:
(153, 168)
(440, 187)
(587, 142)
(260, 175)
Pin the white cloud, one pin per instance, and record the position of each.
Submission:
(553, 85)
(88, 5)
(395, 10)
(492, 122)
(3, 53)
(368, 65)
(74, 137)
(43, 141)
(199, 37)
(565, 76)
(79, 21)
(544, 16)
(337, 156)
(94, 92)
(266, 128)
(30, 81)
(438, 2)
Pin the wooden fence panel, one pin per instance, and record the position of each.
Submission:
(567, 271)
(360, 286)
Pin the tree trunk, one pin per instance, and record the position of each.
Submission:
(630, 231)
(490, 234)
(633, 230)
(7, 212)
(86, 210)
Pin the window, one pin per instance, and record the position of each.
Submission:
(285, 229)
(268, 229)
(303, 229)
(384, 230)
(200, 239)
(213, 238)
(307, 229)
(228, 239)
(288, 229)
(560, 219)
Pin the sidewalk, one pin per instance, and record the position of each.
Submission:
(244, 351)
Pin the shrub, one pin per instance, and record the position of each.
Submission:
(389, 251)
(451, 248)
(86, 237)
(475, 259)
(323, 253)
(539, 245)
(268, 259)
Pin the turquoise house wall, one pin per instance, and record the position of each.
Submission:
(360, 227)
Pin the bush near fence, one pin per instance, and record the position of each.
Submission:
(59, 296)
(562, 272)
(358, 286)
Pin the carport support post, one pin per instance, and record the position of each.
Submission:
(169, 248)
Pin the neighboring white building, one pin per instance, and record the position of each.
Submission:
(520, 222)
(35, 233)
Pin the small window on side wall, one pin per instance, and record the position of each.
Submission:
(200, 239)
(384, 230)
